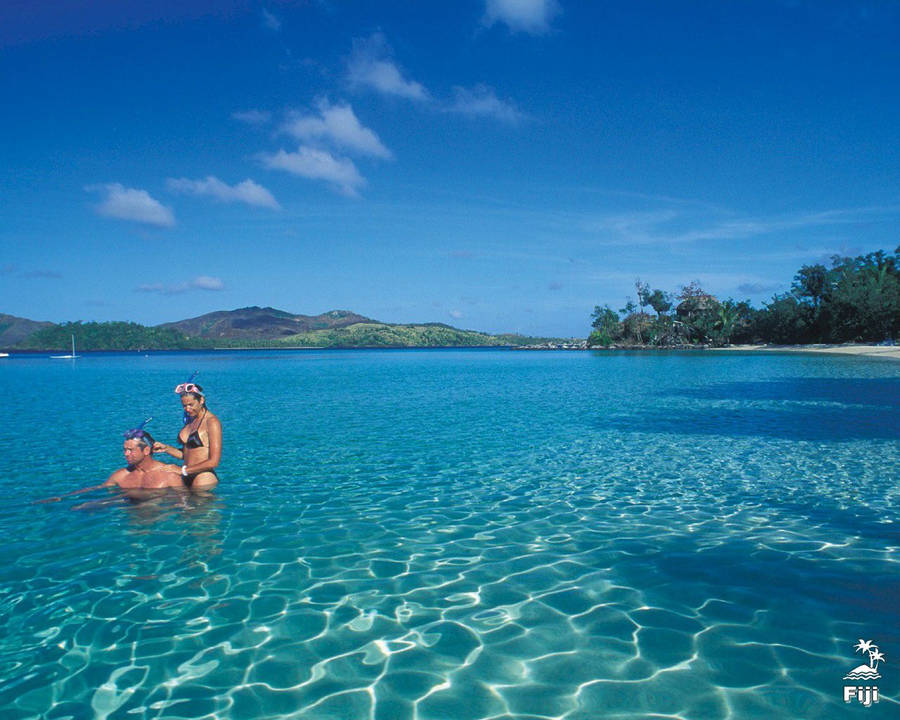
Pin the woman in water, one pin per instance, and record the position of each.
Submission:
(200, 440)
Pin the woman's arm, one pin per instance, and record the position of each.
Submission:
(214, 434)
(168, 449)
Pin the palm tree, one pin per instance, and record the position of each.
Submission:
(874, 657)
(726, 317)
(863, 646)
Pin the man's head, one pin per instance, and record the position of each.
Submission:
(138, 449)
(138, 445)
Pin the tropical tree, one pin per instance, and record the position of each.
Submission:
(660, 301)
(856, 300)
(605, 322)
(812, 281)
(726, 317)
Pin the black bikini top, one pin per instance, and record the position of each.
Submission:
(193, 441)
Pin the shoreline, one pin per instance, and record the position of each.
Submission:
(885, 351)
(860, 350)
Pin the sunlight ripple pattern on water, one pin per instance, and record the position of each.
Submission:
(455, 534)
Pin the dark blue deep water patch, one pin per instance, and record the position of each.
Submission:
(455, 534)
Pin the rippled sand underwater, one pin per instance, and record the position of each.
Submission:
(458, 535)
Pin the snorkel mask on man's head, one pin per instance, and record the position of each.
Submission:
(139, 434)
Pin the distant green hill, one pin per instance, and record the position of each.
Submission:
(375, 334)
(104, 336)
(258, 323)
(15, 329)
(255, 327)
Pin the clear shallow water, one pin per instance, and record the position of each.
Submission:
(443, 534)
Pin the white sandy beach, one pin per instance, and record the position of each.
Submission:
(887, 351)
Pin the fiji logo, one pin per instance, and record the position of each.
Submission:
(865, 694)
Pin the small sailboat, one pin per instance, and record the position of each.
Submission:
(67, 357)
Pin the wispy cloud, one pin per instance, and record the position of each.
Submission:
(482, 101)
(759, 288)
(455, 314)
(247, 192)
(335, 125)
(372, 67)
(270, 21)
(41, 275)
(676, 226)
(201, 282)
(252, 117)
(132, 204)
(205, 282)
(317, 164)
(528, 16)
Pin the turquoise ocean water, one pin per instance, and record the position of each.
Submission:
(456, 535)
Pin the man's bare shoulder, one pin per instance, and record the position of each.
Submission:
(119, 475)
(161, 467)
(165, 474)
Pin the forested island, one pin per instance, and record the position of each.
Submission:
(245, 328)
(856, 300)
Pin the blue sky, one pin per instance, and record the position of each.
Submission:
(499, 165)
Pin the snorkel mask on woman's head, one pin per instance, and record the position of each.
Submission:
(189, 386)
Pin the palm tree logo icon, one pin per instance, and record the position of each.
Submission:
(870, 671)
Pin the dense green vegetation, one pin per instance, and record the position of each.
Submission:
(381, 335)
(855, 300)
(104, 336)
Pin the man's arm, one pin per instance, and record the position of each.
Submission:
(110, 481)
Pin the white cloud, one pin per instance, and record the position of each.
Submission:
(247, 192)
(201, 282)
(317, 164)
(132, 204)
(530, 16)
(338, 125)
(482, 101)
(455, 314)
(252, 117)
(270, 21)
(371, 66)
(205, 282)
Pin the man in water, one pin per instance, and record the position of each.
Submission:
(142, 471)
(142, 477)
